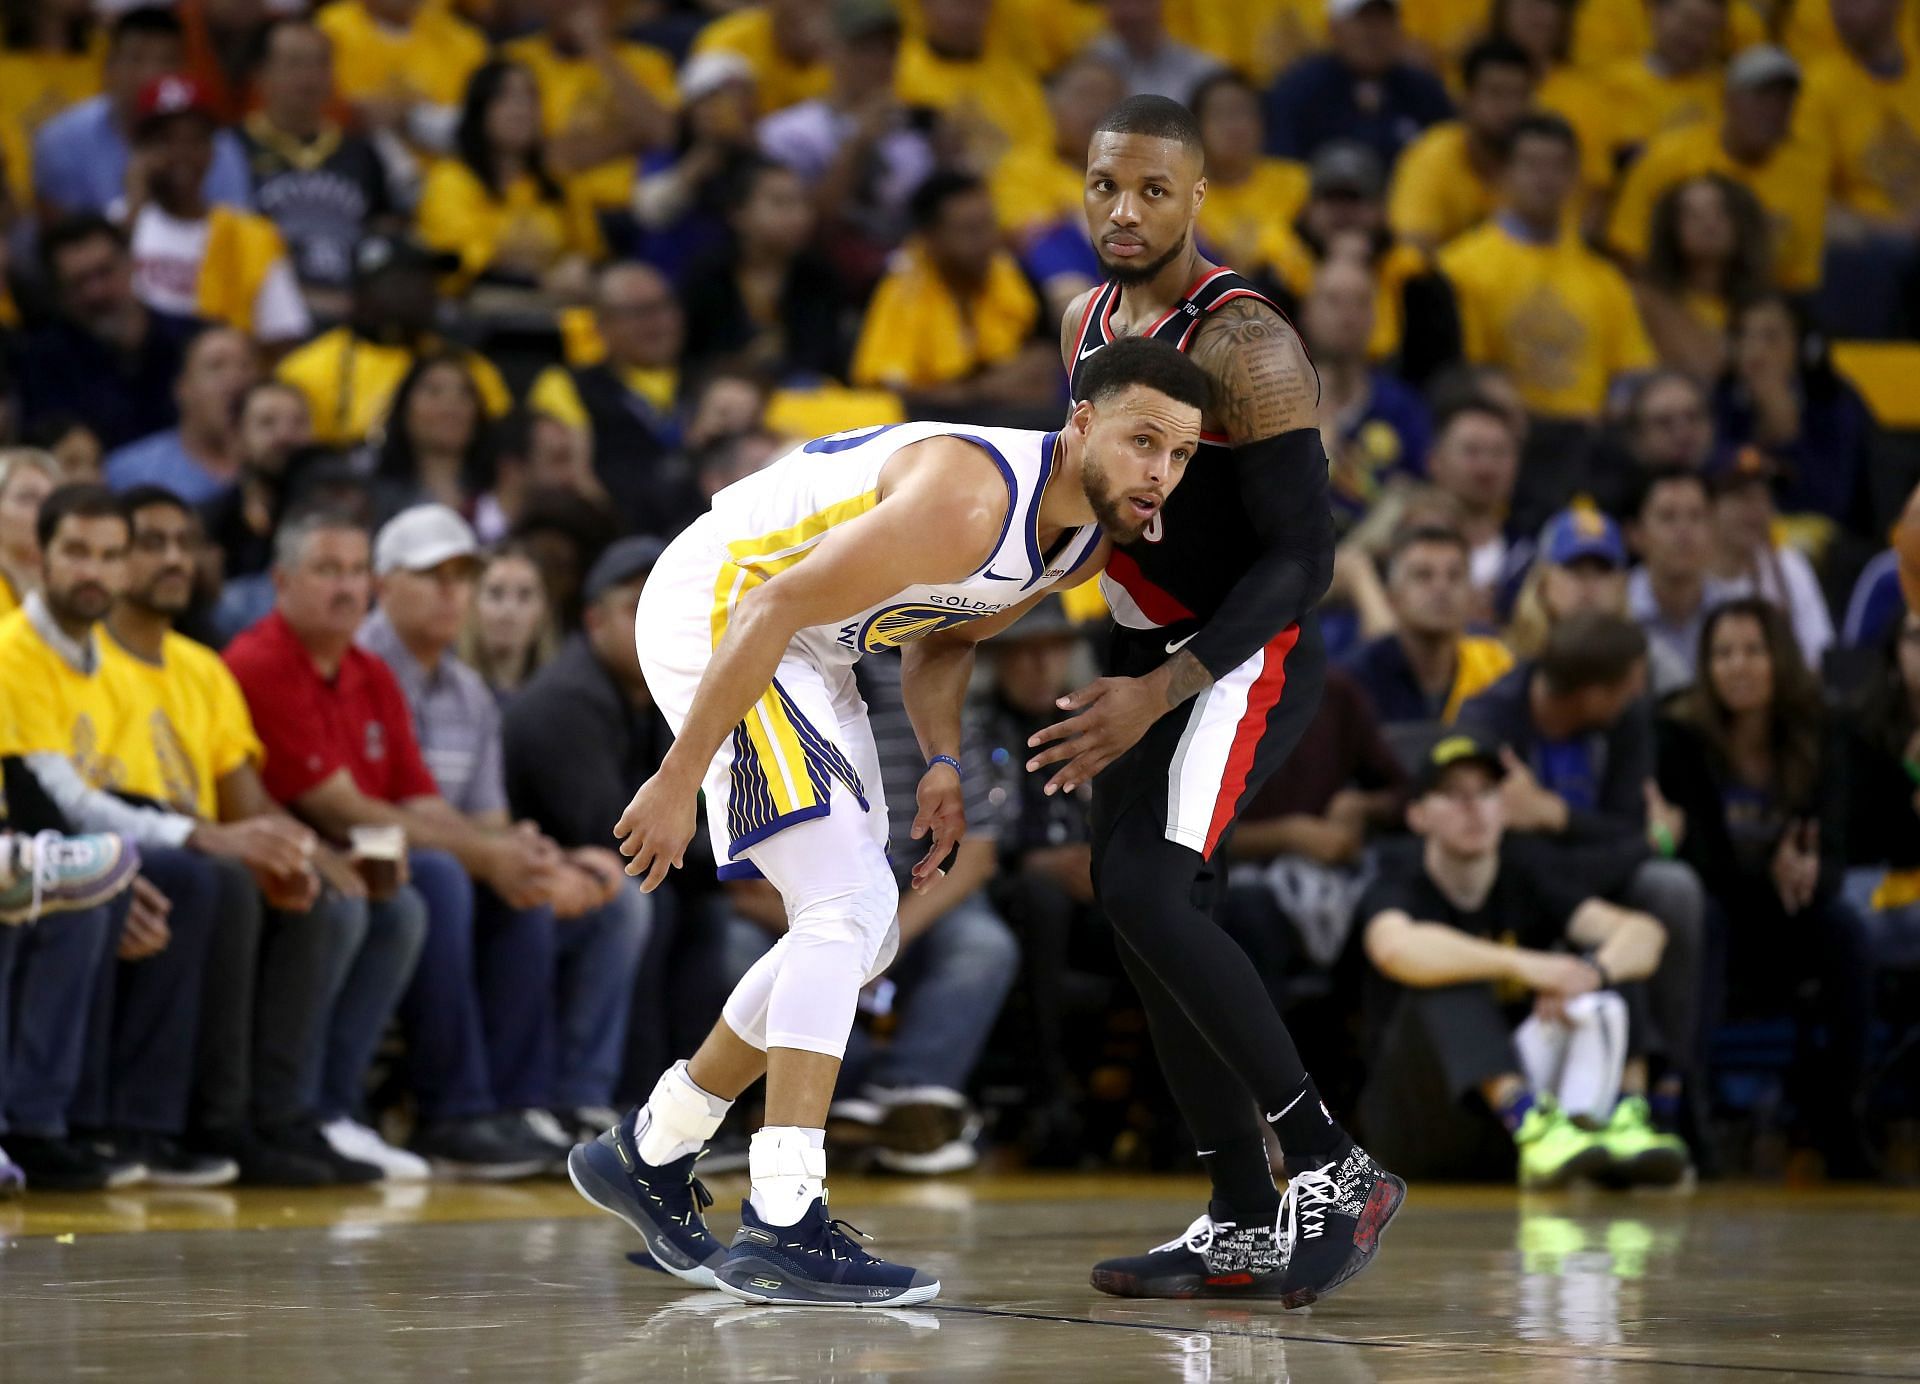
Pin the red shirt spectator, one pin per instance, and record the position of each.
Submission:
(312, 726)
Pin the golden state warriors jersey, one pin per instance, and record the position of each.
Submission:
(769, 521)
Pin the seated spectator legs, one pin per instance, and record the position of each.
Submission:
(952, 980)
(515, 960)
(386, 936)
(599, 962)
(448, 1043)
(1670, 891)
(47, 981)
(143, 1025)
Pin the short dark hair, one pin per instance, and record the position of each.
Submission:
(1545, 125)
(1468, 406)
(931, 197)
(261, 48)
(152, 21)
(1224, 80)
(1590, 650)
(70, 231)
(1154, 117)
(1492, 52)
(1643, 481)
(77, 500)
(1144, 360)
(1420, 535)
(140, 497)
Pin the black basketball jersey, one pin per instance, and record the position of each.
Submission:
(1201, 541)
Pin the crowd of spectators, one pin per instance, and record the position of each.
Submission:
(358, 358)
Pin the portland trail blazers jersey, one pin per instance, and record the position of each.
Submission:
(1201, 542)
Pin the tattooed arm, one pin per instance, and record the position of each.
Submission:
(1264, 397)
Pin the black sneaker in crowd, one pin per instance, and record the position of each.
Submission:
(261, 1163)
(1217, 1257)
(480, 1150)
(69, 1165)
(304, 1140)
(1330, 1223)
(170, 1165)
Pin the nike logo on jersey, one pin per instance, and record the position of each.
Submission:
(1174, 648)
(995, 576)
(1090, 350)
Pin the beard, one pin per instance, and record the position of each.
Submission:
(1121, 524)
(79, 605)
(1128, 273)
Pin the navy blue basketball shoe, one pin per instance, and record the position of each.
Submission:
(663, 1203)
(815, 1263)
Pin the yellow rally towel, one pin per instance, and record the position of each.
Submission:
(1898, 889)
(241, 248)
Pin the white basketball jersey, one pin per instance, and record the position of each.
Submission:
(772, 519)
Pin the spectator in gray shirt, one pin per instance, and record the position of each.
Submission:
(556, 1017)
(1153, 64)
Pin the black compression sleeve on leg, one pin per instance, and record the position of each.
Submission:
(1283, 483)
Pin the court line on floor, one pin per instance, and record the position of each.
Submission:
(1454, 1348)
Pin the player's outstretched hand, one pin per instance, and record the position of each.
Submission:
(943, 814)
(655, 829)
(1114, 714)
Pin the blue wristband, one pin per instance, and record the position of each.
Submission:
(947, 760)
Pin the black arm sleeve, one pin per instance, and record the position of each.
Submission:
(1283, 483)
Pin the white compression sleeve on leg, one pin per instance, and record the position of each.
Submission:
(1542, 1048)
(746, 1008)
(678, 1117)
(1596, 1055)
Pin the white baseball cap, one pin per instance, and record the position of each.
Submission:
(421, 538)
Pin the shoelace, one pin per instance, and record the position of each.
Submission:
(839, 1233)
(1198, 1238)
(48, 849)
(1303, 1209)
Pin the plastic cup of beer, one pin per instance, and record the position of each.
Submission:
(376, 852)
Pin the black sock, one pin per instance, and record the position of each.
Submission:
(1308, 1134)
(1243, 1190)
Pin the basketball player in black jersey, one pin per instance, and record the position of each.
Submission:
(1214, 672)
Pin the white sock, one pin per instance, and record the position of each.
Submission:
(788, 1165)
(677, 1119)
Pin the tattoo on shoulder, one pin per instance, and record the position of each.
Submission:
(1070, 325)
(1263, 382)
(1186, 677)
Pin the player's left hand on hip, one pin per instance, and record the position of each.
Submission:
(1113, 714)
(654, 831)
(942, 815)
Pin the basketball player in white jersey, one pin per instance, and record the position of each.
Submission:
(927, 536)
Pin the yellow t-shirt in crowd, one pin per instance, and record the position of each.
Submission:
(184, 723)
(1037, 35)
(997, 104)
(9, 598)
(555, 394)
(1807, 31)
(1792, 186)
(33, 87)
(1294, 263)
(778, 80)
(1234, 218)
(460, 214)
(1256, 37)
(46, 707)
(1559, 318)
(917, 334)
(1480, 661)
(1034, 188)
(349, 381)
(1644, 104)
(1611, 31)
(574, 95)
(1870, 126)
(1437, 193)
(428, 61)
(1445, 29)
(1584, 101)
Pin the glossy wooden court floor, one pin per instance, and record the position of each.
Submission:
(525, 1283)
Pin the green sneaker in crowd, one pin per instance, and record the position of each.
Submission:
(1554, 1150)
(1639, 1153)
